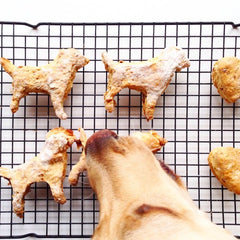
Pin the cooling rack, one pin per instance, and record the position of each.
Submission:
(190, 115)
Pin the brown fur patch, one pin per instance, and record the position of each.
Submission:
(146, 209)
(100, 144)
(99, 138)
(172, 174)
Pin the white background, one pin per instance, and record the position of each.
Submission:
(34, 12)
(124, 10)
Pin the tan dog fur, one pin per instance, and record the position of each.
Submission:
(138, 199)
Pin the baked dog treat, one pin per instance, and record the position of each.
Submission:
(150, 77)
(79, 167)
(225, 165)
(138, 198)
(48, 166)
(226, 78)
(151, 139)
(55, 78)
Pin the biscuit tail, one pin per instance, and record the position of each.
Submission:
(8, 66)
(5, 172)
(108, 62)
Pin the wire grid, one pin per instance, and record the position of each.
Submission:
(190, 115)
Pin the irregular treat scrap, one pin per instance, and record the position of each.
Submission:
(81, 164)
(226, 78)
(225, 165)
(55, 78)
(151, 139)
(149, 77)
(48, 166)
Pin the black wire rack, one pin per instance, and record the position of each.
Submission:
(190, 115)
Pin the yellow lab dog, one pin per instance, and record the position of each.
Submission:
(139, 198)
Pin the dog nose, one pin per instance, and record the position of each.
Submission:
(87, 60)
(99, 140)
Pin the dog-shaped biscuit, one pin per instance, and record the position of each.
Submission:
(149, 77)
(140, 198)
(55, 78)
(48, 166)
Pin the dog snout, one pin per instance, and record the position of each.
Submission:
(187, 62)
(86, 60)
(99, 140)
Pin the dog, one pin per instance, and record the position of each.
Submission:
(149, 77)
(139, 198)
(55, 78)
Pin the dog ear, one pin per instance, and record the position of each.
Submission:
(173, 175)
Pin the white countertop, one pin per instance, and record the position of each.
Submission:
(119, 11)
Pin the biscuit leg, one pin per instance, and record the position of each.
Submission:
(148, 107)
(109, 98)
(76, 170)
(18, 203)
(19, 190)
(57, 101)
(57, 192)
(16, 97)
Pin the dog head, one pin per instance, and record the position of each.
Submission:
(126, 163)
(180, 57)
(74, 56)
(61, 137)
